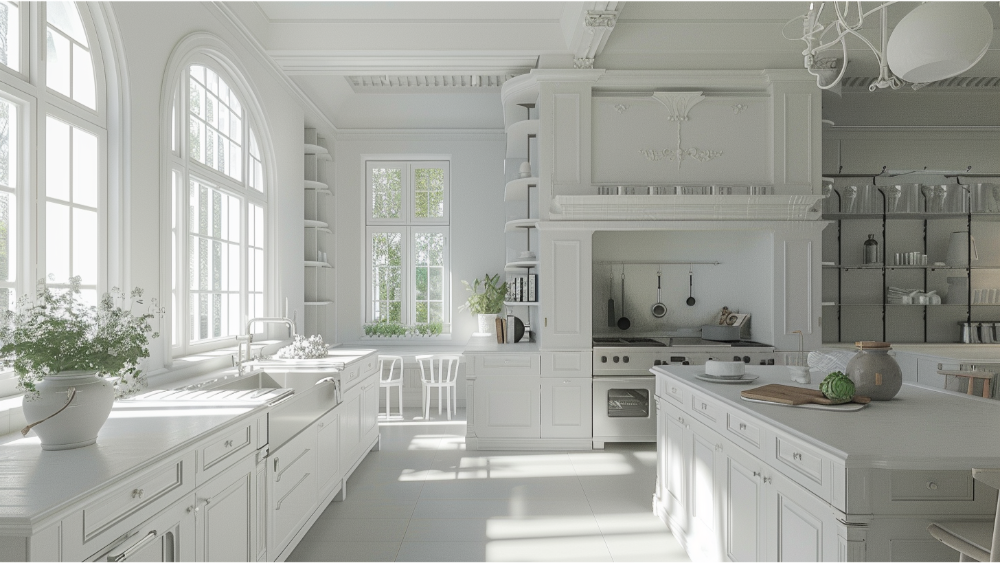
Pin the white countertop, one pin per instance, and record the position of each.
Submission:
(921, 428)
(956, 352)
(489, 345)
(35, 483)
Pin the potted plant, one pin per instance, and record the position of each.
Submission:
(65, 352)
(486, 304)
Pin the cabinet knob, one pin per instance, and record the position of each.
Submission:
(767, 480)
(680, 419)
(756, 473)
(932, 485)
(137, 493)
(718, 447)
(229, 443)
(704, 406)
(567, 382)
(797, 456)
(320, 425)
(743, 426)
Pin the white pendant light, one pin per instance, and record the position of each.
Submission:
(938, 40)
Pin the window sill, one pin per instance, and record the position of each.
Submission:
(437, 338)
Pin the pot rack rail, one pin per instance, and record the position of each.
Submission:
(957, 175)
(652, 263)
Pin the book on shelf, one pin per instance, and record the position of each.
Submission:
(532, 283)
(522, 288)
(509, 329)
(499, 323)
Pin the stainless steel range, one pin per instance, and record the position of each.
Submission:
(623, 385)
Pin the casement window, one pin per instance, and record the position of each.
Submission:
(218, 210)
(407, 240)
(53, 151)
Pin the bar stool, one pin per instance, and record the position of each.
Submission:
(443, 376)
(976, 540)
(393, 379)
(972, 376)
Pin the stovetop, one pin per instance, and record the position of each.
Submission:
(670, 342)
(627, 342)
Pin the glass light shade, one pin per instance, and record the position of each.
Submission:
(938, 40)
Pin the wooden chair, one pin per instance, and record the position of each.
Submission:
(393, 379)
(972, 376)
(440, 371)
(975, 541)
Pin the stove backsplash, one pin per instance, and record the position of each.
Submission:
(741, 280)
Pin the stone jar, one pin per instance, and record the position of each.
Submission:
(874, 372)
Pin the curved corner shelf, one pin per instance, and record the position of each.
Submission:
(317, 150)
(520, 265)
(317, 303)
(315, 264)
(519, 90)
(523, 303)
(314, 185)
(321, 229)
(327, 157)
(520, 224)
(517, 190)
(517, 137)
(311, 223)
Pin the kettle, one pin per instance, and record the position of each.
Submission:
(961, 247)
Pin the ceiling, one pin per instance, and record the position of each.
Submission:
(416, 65)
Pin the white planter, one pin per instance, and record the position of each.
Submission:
(487, 324)
(77, 426)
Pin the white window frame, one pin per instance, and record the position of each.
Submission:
(187, 168)
(408, 225)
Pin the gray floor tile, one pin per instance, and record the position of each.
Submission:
(441, 551)
(446, 529)
(358, 529)
(345, 551)
(369, 508)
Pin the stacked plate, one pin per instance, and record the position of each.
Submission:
(725, 372)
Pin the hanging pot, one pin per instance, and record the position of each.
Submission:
(70, 409)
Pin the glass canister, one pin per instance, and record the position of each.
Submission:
(874, 372)
(870, 255)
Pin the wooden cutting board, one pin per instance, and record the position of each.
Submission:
(788, 395)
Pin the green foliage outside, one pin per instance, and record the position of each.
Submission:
(386, 329)
(490, 301)
(58, 333)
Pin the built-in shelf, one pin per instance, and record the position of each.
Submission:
(316, 264)
(894, 216)
(315, 149)
(520, 265)
(517, 93)
(517, 190)
(320, 229)
(520, 224)
(878, 267)
(517, 137)
(523, 303)
(319, 187)
(311, 223)
(317, 303)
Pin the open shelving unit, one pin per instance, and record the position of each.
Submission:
(522, 132)
(855, 304)
(320, 252)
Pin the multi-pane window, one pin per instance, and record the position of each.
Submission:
(8, 203)
(10, 35)
(69, 67)
(407, 242)
(218, 229)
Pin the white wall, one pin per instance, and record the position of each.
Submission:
(743, 280)
(150, 31)
(477, 218)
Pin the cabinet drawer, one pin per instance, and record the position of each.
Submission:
(508, 364)
(350, 377)
(706, 408)
(800, 458)
(131, 499)
(670, 389)
(746, 431)
(295, 459)
(931, 485)
(226, 449)
(568, 364)
(368, 366)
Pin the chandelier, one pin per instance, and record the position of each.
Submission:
(934, 41)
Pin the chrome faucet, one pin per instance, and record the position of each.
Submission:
(248, 338)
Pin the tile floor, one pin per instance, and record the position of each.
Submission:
(422, 497)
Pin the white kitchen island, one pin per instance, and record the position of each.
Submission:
(739, 480)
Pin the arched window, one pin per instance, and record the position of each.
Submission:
(53, 208)
(218, 203)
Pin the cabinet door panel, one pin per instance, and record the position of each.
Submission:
(227, 515)
(675, 477)
(350, 429)
(168, 536)
(743, 509)
(566, 408)
(565, 263)
(328, 452)
(800, 534)
(706, 521)
(369, 416)
(508, 407)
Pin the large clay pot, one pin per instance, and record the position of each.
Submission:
(874, 372)
(76, 426)
(487, 324)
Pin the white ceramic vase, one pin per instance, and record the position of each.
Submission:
(487, 323)
(76, 426)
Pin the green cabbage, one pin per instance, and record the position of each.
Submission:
(837, 387)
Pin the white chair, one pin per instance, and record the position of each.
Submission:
(977, 540)
(440, 371)
(393, 379)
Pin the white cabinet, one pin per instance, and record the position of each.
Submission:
(743, 505)
(168, 536)
(328, 466)
(565, 408)
(565, 262)
(226, 515)
(804, 527)
(369, 408)
(350, 427)
(705, 496)
(508, 407)
(292, 490)
(673, 438)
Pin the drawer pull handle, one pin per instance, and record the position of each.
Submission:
(756, 473)
(135, 547)
(932, 485)
(229, 443)
(704, 406)
(743, 426)
(290, 491)
(680, 419)
(282, 472)
(797, 456)
(767, 480)
(192, 508)
(673, 389)
(718, 447)
(137, 493)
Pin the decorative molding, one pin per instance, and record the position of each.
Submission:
(600, 18)
(426, 83)
(622, 108)
(421, 134)
(583, 63)
(678, 105)
(737, 108)
(958, 83)
(687, 208)
(407, 64)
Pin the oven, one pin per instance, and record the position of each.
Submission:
(623, 387)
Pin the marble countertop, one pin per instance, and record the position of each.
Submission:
(35, 483)
(921, 428)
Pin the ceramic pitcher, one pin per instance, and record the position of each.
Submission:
(959, 250)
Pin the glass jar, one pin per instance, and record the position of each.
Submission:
(874, 372)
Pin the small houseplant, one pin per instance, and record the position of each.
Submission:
(488, 303)
(67, 352)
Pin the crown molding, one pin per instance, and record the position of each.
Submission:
(262, 55)
(421, 134)
(310, 63)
